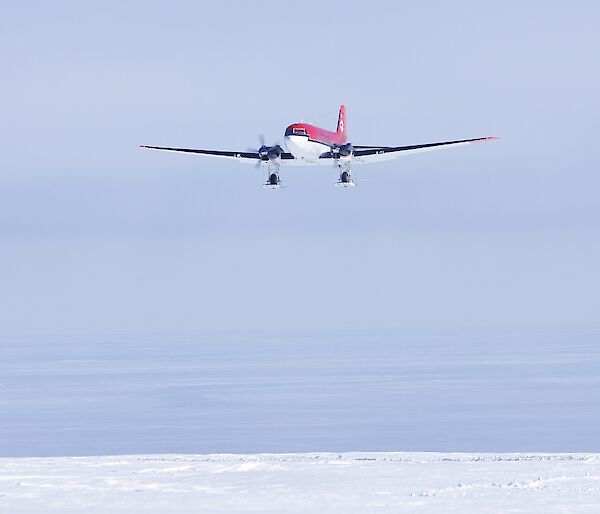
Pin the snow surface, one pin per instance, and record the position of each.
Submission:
(427, 390)
(310, 482)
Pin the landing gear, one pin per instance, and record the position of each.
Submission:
(273, 180)
(345, 177)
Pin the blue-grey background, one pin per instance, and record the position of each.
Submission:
(115, 256)
(465, 390)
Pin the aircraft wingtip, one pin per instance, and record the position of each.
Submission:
(486, 138)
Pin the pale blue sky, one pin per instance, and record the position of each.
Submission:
(99, 236)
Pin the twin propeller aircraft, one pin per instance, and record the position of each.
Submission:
(310, 145)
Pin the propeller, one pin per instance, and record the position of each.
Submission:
(261, 140)
(260, 150)
(337, 151)
(265, 152)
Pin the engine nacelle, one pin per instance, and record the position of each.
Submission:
(345, 150)
(267, 153)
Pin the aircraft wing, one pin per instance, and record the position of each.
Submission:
(239, 156)
(368, 154)
(362, 154)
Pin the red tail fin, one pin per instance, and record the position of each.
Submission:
(341, 126)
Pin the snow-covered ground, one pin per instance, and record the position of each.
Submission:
(427, 390)
(170, 407)
(308, 483)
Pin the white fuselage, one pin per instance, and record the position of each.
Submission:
(304, 149)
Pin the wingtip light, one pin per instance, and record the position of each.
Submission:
(484, 139)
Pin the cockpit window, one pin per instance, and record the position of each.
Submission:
(299, 132)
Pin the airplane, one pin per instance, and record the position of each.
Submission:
(310, 145)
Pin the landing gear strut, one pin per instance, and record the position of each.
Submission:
(345, 177)
(273, 180)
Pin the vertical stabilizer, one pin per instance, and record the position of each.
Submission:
(341, 125)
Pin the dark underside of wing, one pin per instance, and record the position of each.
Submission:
(362, 154)
(390, 149)
(363, 151)
(219, 153)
